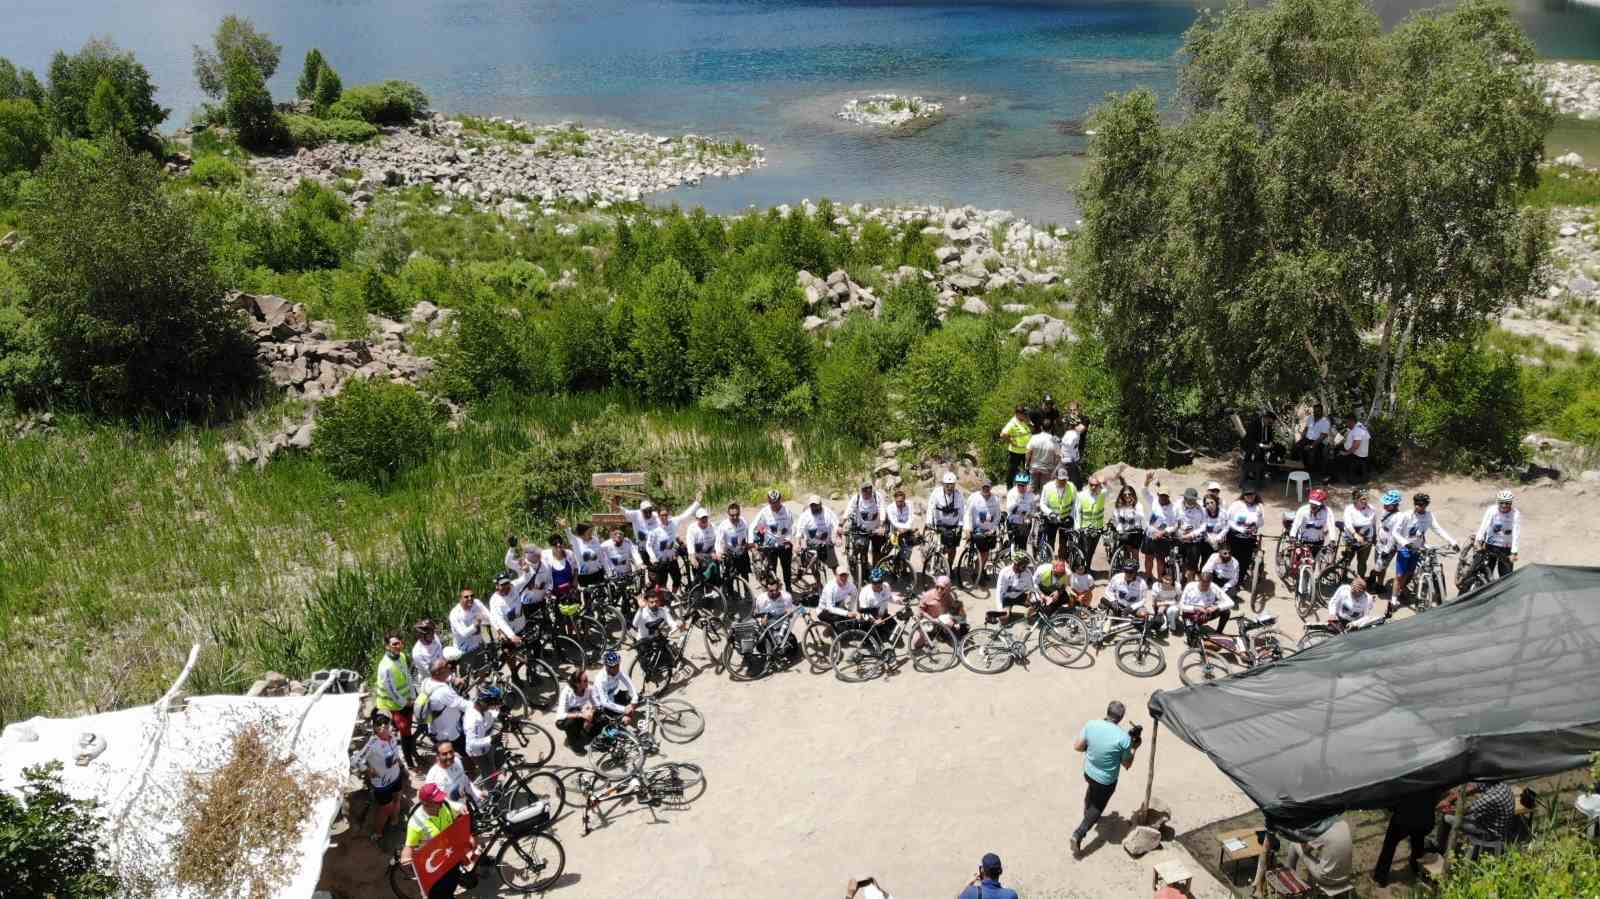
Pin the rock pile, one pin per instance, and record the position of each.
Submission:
(887, 110)
(559, 163)
(300, 358)
(829, 300)
(1041, 332)
(1563, 314)
(1572, 88)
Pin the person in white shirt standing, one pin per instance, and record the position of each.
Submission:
(586, 545)
(1312, 447)
(1500, 532)
(661, 542)
(427, 650)
(902, 520)
(1044, 455)
(733, 544)
(1021, 502)
(469, 619)
(947, 506)
(863, 519)
(1350, 459)
(774, 525)
(820, 528)
(701, 538)
(983, 524)
(620, 555)
(477, 726)
(1161, 529)
(439, 707)
(381, 758)
(1410, 532)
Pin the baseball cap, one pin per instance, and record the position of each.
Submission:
(1213, 485)
(813, 500)
(646, 506)
(949, 477)
(704, 513)
(452, 654)
(1190, 493)
(990, 861)
(842, 569)
(435, 793)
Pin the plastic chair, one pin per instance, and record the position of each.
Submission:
(1299, 479)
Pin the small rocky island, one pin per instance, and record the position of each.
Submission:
(888, 110)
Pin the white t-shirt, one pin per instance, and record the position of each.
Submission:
(1069, 445)
(1359, 432)
(1046, 451)
(1317, 428)
(453, 780)
(1128, 590)
(383, 758)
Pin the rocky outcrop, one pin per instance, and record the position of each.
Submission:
(887, 110)
(543, 166)
(829, 300)
(1561, 314)
(1041, 332)
(1572, 88)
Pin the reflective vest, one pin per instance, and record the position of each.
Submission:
(391, 671)
(1018, 434)
(1091, 510)
(1060, 501)
(423, 828)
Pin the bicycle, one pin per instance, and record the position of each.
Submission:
(967, 571)
(673, 720)
(752, 647)
(1213, 655)
(1061, 638)
(615, 751)
(1478, 567)
(861, 654)
(1427, 587)
(660, 663)
(1062, 543)
(858, 553)
(810, 573)
(897, 556)
(1300, 566)
(675, 784)
(1135, 654)
(1322, 633)
(937, 542)
(1121, 545)
(705, 606)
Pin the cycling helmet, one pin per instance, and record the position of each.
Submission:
(1127, 564)
(490, 695)
(612, 657)
(570, 609)
(773, 496)
(949, 477)
(1319, 496)
(1421, 499)
(1505, 496)
(877, 576)
(452, 654)
(1022, 478)
(1359, 493)
(1391, 497)
(1019, 557)
(425, 626)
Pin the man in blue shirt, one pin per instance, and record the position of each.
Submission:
(987, 884)
(1105, 747)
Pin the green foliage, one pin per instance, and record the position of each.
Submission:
(940, 385)
(306, 87)
(851, 392)
(499, 130)
(50, 842)
(556, 470)
(1328, 181)
(74, 79)
(1466, 404)
(24, 136)
(124, 290)
(20, 84)
(1564, 185)
(28, 372)
(249, 106)
(215, 171)
(108, 114)
(309, 131)
(386, 103)
(660, 337)
(329, 88)
(373, 431)
(1552, 866)
(236, 39)
(315, 230)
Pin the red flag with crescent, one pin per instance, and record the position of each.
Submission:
(435, 858)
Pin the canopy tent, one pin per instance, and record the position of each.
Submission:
(1502, 684)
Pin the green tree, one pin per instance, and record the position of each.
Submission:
(940, 388)
(851, 394)
(50, 842)
(373, 431)
(108, 114)
(20, 84)
(329, 88)
(239, 38)
(1464, 402)
(249, 106)
(74, 80)
(124, 290)
(24, 136)
(306, 87)
(1328, 181)
(660, 338)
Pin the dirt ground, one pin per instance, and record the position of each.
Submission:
(812, 781)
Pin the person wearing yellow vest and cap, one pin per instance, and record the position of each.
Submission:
(1058, 501)
(1054, 585)
(1091, 518)
(432, 817)
(1015, 435)
(395, 692)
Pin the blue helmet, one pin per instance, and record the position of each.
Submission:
(877, 576)
(1022, 477)
(490, 695)
(1391, 497)
(611, 658)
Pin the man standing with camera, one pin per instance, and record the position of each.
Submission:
(1105, 747)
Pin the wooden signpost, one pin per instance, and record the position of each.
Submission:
(613, 486)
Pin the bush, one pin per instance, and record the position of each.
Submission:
(329, 89)
(20, 84)
(1465, 403)
(315, 230)
(388, 103)
(309, 131)
(659, 341)
(24, 136)
(557, 469)
(28, 372)
(372, 431)
(73, 80)
(50, 842)
(215, 171)
(851, 396)
(124, 289)
(939, 389)
(1580, 422)
(1550, 867)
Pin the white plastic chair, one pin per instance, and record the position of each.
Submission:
(1299, 479)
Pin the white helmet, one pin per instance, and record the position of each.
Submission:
(1504, 496)
(949, 477)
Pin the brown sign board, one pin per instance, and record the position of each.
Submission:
(617, 479)
(609, 520)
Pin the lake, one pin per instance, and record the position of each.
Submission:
(762, 70)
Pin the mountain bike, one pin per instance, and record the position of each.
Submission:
(1135, 653)
(969, 572)
(614, 752)
(1061, 638)
(659, 663)
(1322, 633)
(897, 557)
(810, 571)
(1213, 655)
(935, 558)
(1120, 546)
(1299, 567)
(752, 648)
(1427, 585)
(515, 815)
(863, 653)
(673, 720)
(707, 606)
(670, 784)
(1478, 567)
(858, 553)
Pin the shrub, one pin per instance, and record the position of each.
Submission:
(124, 289)
(306, 87)
(940, 387)
(1580, 421)
(309, 131)
(388, 103)
(1465, 402)
(314, 230)
(215, 171)
(24, 136)
(249, 108)
(50, 842)
(1552, 865)
(329, 89)
(851, 397)
(372, 431)
(27, 369)
(236, 38)
(660, 337)
(73, 80)
(557, 469)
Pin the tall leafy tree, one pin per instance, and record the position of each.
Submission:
(235, 37)
(75, 78)
(249, 106)
(306, 87)
(24, 136)
(1332, 198)
(108, 114)
(20, 84)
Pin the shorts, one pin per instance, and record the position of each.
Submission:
(1157, 546)
(386, 795)
(1018, 600)
(1406, 560)
(985, 542)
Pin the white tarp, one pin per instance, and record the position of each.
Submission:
(140, 779)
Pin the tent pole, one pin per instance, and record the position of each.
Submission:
(1455, 826)
(1150, 778)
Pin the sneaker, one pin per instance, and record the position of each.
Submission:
(1077, 845)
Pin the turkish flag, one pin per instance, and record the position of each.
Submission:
(437, 856)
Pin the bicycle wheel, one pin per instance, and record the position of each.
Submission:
(679, 721)
(613, 626)
(1063, 639)
(542, 686)
(1280, 557)
(403, 881)
(675, 783)
(527, 740)
(1330, 580)
(531, 863)
(1422, 592)
(1199, 666)
(986, 650)
(1271, 645)
(1258, 583)
(1308, 607)
(653, 675)
(817, 646)
(1120, 552)
(1139, 657)
(857, 657)
(934, 563)
(537, 786)
(934, 647)
(808, 574)
(966, 570)
(621, 756)
(1313, 636)
(1440, 593)
(513, 699)
(714, 632)
(745, 666)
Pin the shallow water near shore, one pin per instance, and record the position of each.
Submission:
(762, 70)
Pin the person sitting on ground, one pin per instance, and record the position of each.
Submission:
(1499, 532)
(1223, 569)
(1165, 593)
(433, 816)
(1350, 608)
(381, 758)
(577, 711)
(837, 602)
(983, 524)
(1080, 587)
(940, 601)
(449, 774)
(1014, 584)
(1200, 603)
(1328, 858)
(615, 693)
(986, 883)
(478, 725)
(1126, 592)
(1054, 585)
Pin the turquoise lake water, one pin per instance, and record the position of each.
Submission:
(767, 71)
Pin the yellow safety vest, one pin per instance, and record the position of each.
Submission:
(421, 828)
(1019, 434)
(1060, 501)
(402, 682)
(1092, 514)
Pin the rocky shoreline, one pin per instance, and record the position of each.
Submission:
(1572, 88)
(514, 167)
(888, 110)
